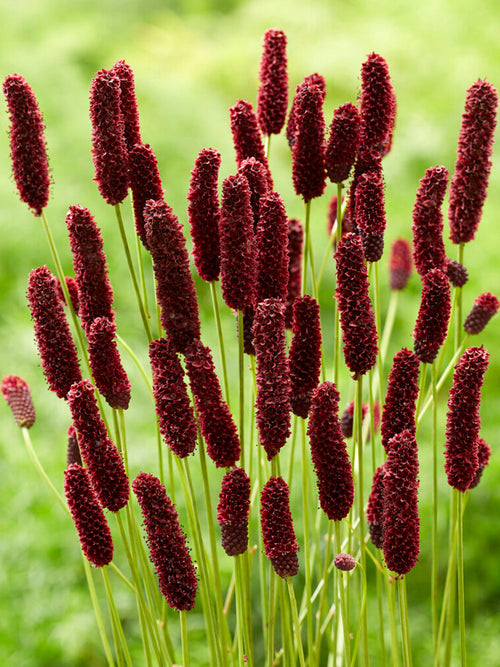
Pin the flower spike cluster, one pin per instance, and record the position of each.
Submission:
(272, 98)
(145, 183)
(343, 143)
(457, 273)
(233, 510)
(485, 306)
(431, 326)
(277, 527)
(17, 394)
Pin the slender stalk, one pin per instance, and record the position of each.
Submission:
(458, 320)
(435, 545)
(460, 573)
(115, 621)
(306, 247)
(343, 608)
(184, 638)
(362, 613)
(391, 604)
(241, 368)
(296, 624)
(403, 611)
(361, 505)
(307, 528)
(215, 305)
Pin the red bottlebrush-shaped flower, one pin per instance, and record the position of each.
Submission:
(109, 150)
(175, 289)
(401, 521)
(145, 183)
(167, 543)
(304, 356)
(308, 153)
(329, 453)
(359, 333)
(237, 247)
(400, 264)
(428, 247)
(89, 263)
(216, 422)
(457, 273)
(55, 345)
(375, 508)
(273, 379)
(73, 452)
(367, 161)
(91, 525)
(174, 411)
(432, 320)
(17, 394)
(295, 244)
(272, 250)
(233, 510)
(128, 104)
(73, 293)
(278, 534)
(344, 562)
(246, 136)
(462, 420)
(204, 213)
(256, 175)
(469, 184)
(370, 214)
(27, 143)
(377, 103)
(103, 461)
(272, 98)
(483, 458)
(343, 143)
(310, 80)
(485, 306)
(107, 370)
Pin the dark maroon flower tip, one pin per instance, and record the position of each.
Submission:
(400, 499)
(256, 175)
(304, 355)
(462, 420)
(109, 150)
(375, 508)
(431, 326)
(272, 98)
(73, 293)
(273, 379)
(109, 375)
(401, 396)
(347, 419)
(343, 142)
(91, 525)
(310, 80)
(377, 103)
(248, 317)
(204, 213)
(278, 534)
(428, 246)
(53, 336)
(175, 290)
(246, 136)
(368, 161)
(233, 510)
(329, 453)
(27, 143)
(469, 184)
(167, 543)
(173, 408)
(400, 264)
(89, 263)
(237, 247)
(73, 451)
(483, 458)
(344, 562)
(457, 273)
(17, 394)
(370, 214)
(359, 333)
(295, 244)
(485, 306)
(145, 183)
(271, 243)
(128, 104)
(216, 422)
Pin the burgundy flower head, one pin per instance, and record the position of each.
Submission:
(457, 273)
(73, 452)
(329, 453)
(17, 394)
(145, 183)
(233, 510)
(256, 175)
(343, 142)
(53, 336)
(432, 321)
(375, 508)
(272, 98)
(167, 543)
(377, 103)
(128, 104)
(109, 375)
(370, 214)
(485, 306)
(344, 562)
(295, 244)
(246, 136)
(483, 458)
(400, 264)
(272, 249)
(73, 293)
(368, 161)
(310, 80)
(462, 420)
(204, 213)
(277, 527)
(27, 143)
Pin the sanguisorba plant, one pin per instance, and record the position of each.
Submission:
(277, 567)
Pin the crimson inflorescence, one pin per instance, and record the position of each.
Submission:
(233, 510)
(485, 306)
(109, 375)
(368, 160)
(246, 136)
(457, 273)
(377, 103)
(431, 326)
(128, 103)
(344, 562)
(295, 244)
(73, 293)
(73, 451)
(375, 508)
(483, 458)
(291, 126)
(400, 264)
(343, 142)
(272, 98)
(145, 183)
(271, 243)
(256, 175)
(370, 214)
(278, 534)
(17, 394)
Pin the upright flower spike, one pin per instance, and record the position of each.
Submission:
(278, 534)
(359, 333)
(428, 246)
(216, 422)
(27, 143)
(483, 458)
(246, 136)
(368, 160)
(457, 273)
(291, 126)
(256, 175)
(295, 244)
(175, 290)
(204, 213)
(304, 355)
(233, 510)
(272, 250)
(375, 508)
(343, 143)
(469, 183)
(73, 451)
(109, 375)
(93, 530)
(400, 264)
(167, 543)
(273, 380)
(272, 98)
(329, 453)
(53, 336)
(145, 183)
(17, 394)
(485, 306)
(102, 459)
(432, 321)
(370, 214)
(377, 102)
(109, 150)
(401, 541)
(462, 420)
(128, 104)
(173, 408)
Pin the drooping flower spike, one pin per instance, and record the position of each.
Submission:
(343, 143)
(400, 264)
(277, 527)
(272, 98)
(377, 102)
(145, 183)
(109, 375)
(128, 104)
(272, 249)
(431, 326)
(485, 306)
(17, 394)
(233, 510)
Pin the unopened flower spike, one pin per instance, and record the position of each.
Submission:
(73, 451)
(145, 183)
(344, 562)
(233, 510)
(485, 306)
(109, 375)
(17, 394)
(278, 534)
(128, 103)
(343, 143)
(272, 98)
(377, 102)
(271, 243)
(400, 264)
(457, 273)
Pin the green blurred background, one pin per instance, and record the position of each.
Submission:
(192, 60)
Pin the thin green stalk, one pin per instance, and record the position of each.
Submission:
(361, 506)
(460, 577)
(381, 617)
(343, 607)
(458, 320)
(435, 545)
(421, 387)
(271, 618)
(244, 640)
(447, 608)
(184, 638)
(296, 624)
(215, 305)
(289, 647)
(267, 145)
(306, 247)
(376, 307)
(241, 369)
(140, 263)
(324, 589)
(389, 323)
(307, 528)
(362, 613)
(403, 612)
(115, 621)
(391, 604)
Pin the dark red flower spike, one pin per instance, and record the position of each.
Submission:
(233, 510)
(483, 458)
(343, 142)
(485, 306)
(295, 244)
(246, 136)
(128, 104)
(272, 98)
(107, 370)
(256, 175)
(370, 214)
(432, 321)
(91, 525)
(400, 264)
(167, 543)
(462, 420)
(377, 102)
(457, 273)
(272, 249)
(27, 143)
(329, 453)
(145, 183)
(278, 534)
(17, 394)
(291, 126)
(73, 293)
(53, 336)
(368, 161)
(375, 508)
(73, 452)
(332, 218)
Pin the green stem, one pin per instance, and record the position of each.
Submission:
(343, 608)
(241, 369)
(184, 638)
(435, 545)
(460, 573)
(115, 621)
(307, 536)
(361, 506)
(362, 613)
(403, 611)
(296, 624)
(215, 305)
(391, 605)
(306, 247)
